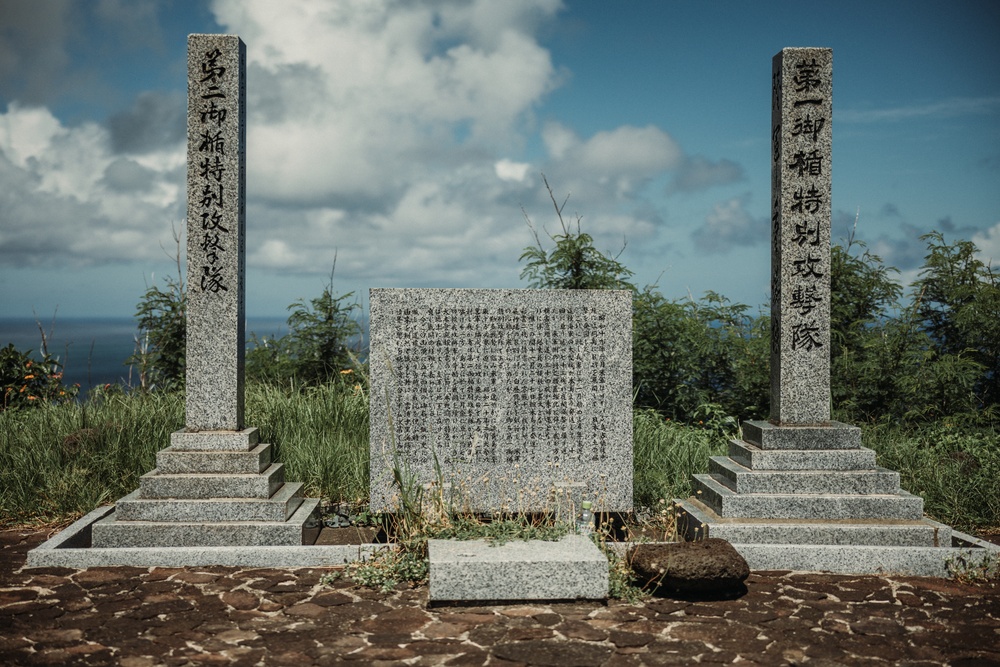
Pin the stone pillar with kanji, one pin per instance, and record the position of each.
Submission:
(216, 485)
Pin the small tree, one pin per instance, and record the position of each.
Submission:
(161, 315)
(574, 262)
(317, 346)
(160, 346)
(959, 299)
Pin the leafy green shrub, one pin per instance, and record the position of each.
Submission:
(161, 345)
(920, 362)
(574, 262)
(317, 348)
(27, 382)
(958, 304)
(688, 356)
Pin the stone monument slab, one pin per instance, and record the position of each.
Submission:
(515, 395)
(801, 139)
(216, 183)
(799, 491)
(217, 486)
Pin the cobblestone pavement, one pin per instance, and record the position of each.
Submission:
(137, 617)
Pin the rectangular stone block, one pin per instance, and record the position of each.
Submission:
(801, 139)
(172, 461)
(228, 441)
(278, 507)
(861, 559)
(752, 457)
(572, 568)
(836, 435)
(727, 503)
(696, 521)
(216, 232)
(301, 528)
(155, 484)
(743, 480)
(515, 395)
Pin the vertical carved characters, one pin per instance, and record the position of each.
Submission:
(800, 235)
(215, 232)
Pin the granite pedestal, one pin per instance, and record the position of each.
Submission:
(571, 568)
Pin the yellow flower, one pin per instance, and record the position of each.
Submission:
(346, 371)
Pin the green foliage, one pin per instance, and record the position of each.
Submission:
(920, 362)
(319, 432)
(975, 571)
(501, 530)
(162, 318)
(573, 263)
(63, 460)
(950, 463)
(28, 383)
(958, 299)
(665, 455)
(698, 359)
(621, 578)
(316, 349)
(385, 570)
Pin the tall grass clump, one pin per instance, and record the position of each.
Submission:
(955, 470)
(319, 432)
(667, 453)
(60, 461)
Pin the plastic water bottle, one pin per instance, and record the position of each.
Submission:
(585, 522)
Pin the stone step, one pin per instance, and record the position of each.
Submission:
(155, 484)
(755, 458)
(743, 480)
(214, 441)
(696, 521)
(835, 435)
(571, 568)
(285, 501)
(729, 504)
(864, 559)
(172, 461)
(301, 528)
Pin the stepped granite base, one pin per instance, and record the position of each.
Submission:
(812, 498)
(73, 548)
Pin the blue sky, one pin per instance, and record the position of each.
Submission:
(404, 139)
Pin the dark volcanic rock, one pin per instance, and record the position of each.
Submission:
(705, 566)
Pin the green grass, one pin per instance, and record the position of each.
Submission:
(956, 470)
(61, 461)
(666, 454)
(320, 434)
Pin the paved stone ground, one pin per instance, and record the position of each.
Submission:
(138, 617)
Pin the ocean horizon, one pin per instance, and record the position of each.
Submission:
(93, 350)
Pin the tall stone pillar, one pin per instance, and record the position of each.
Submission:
(801, 132)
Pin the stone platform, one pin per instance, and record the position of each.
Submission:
(73, 547)
(569, 569)
(211, 491)
(248, 615)
(812, 498)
